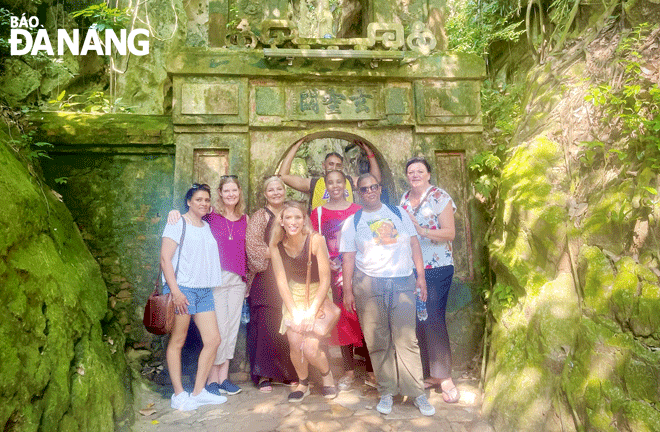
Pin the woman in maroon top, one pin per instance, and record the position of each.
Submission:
(292, 242)
(328, 221)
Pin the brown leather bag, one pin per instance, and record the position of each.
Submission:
(159, 312)
(328, 314)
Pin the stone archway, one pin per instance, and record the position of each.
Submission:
(252, 106)
(392, 146)
(310, 157)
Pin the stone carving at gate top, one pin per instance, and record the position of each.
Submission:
(337, 102)
(283, 34)
(421, 39)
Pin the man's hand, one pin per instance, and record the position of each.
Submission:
(349, 302)
(421, 286)
(364, 147)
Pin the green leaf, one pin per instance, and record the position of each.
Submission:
(650, 190)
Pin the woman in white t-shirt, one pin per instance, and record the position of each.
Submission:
(380, 249)
(191, 270)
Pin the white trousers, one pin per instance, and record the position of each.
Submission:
(228, 299)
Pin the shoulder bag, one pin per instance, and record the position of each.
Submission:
(328, 314)
(159, 311)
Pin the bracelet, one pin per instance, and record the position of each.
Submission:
(372, 155)
(426, 234)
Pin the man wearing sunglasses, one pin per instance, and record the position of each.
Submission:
(380, 249)
(315, 186)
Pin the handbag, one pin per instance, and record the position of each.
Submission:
(328, 315)
(159, 311)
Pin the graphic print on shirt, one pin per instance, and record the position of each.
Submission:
(384, 231)
(326, 195)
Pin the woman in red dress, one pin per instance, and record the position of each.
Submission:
(328, 220)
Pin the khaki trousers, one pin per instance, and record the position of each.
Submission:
(387, 313)
(228, 299)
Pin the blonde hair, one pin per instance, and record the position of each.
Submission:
(240, 205)
(278, 232)
(271, 179)
(268, 180)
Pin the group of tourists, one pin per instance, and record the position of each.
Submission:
(372, 260)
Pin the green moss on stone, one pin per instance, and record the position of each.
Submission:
(55, 295)
(596, 279)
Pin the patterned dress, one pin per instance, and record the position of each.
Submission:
(347, 331)
(268, 350)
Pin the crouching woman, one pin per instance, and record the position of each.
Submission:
(289, 251)
(190, 261)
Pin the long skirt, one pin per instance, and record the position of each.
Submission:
(268, 350)
(347, 331)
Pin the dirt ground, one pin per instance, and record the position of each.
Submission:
(353, 410)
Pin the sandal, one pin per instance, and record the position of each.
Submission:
(299, 395)
(265, 385)
(451, 396)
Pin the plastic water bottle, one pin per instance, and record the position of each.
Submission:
(245, 314)
(422, 314)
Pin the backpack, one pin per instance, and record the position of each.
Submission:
(393, 208)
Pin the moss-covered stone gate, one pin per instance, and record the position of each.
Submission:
(235, 101)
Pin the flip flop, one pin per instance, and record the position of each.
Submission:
(265, 386)
(451, 396)
(431, 385)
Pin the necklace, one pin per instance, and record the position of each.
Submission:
(231, 232)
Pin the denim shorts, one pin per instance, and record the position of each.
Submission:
(200, 299)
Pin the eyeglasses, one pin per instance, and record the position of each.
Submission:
(367, 189)
(202, 186)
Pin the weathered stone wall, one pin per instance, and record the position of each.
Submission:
(62, 364)
(580, 348)
(120, 203)
(119, 194)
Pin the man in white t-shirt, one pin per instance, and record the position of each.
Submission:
(380, 249)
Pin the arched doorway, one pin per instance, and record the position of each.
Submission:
(310, 156)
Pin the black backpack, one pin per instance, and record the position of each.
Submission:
(358, 214)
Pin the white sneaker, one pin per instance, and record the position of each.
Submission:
(206, 398)
(385, 404)
(345, 382)
(424, 405)
(182, 402)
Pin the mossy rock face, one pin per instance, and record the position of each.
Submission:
(119, 202)
(570, 354)
(596, 279)
(612, 381)
(531, 217)
(59, 371)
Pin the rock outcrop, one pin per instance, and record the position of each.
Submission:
(62, 368)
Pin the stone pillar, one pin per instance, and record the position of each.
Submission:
(398, 11)
(255, 11)
(218, 19)
(437, 16)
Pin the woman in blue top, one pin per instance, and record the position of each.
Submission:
(191, 270)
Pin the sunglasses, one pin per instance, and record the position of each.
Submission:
(202, 186)
(233, 176)
(367, 189)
